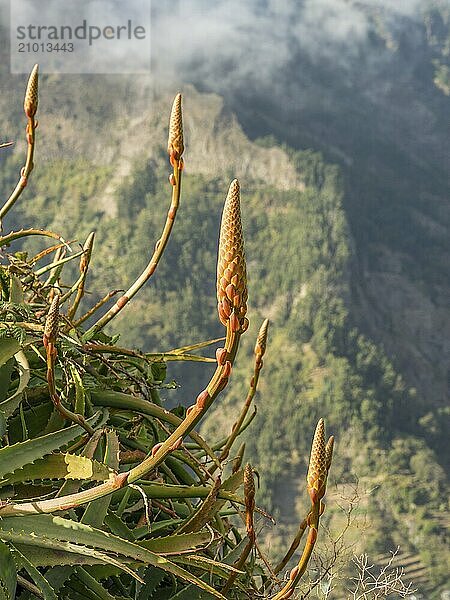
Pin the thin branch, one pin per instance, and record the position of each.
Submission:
(175, 180)
(30, 107)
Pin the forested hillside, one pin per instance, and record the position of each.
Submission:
(346, 245)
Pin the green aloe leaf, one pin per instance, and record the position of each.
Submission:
(197, 346)
(9, 405)
(15, 290)
(180, 358)
(73, 486)
(230, 485)
(57, 263)
(28, 537)
(8, 577)
(8, 347)
(6, 371)
(209, 566)
(18, 455)
(204, 513)
(60, 466)
(52, 558)
(23, 562)
(80, 394)
(190, 593)
(113, 399)
(174, 544)
(236, 552)
(118, 527)
(96, 510)
(93, 585)
(152, 579)
(206, 564)
(45, 529)
(58, 575)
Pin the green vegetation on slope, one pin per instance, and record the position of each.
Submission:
(299, 251)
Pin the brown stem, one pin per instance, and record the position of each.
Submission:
(159, 249)
(63, 411)
(55, 271)
(196, 412)
(238, 424)
(239, 565)
(249, 497)
(84, 267)
(159, 453)
(16, 235)
(293, 547)
(25, 171)
(131, 456)
(127, 402)
(95, 308)
(45, 252)
(298, 571)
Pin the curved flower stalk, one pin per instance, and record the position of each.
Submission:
(49, 340)
(249, 498)
(17, 235)
(175, 149)
(237, 460)
(230, 237)
(84, 266)
(30, 106)
(316, 482)
(89, 313)
(259, 351)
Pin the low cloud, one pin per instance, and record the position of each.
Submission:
(222, 42)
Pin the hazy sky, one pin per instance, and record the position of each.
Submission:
(219, 40)
(223, 39)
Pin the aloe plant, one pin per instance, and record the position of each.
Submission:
(101, 494)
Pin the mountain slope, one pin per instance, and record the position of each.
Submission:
(381, 113)
(329, 260)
